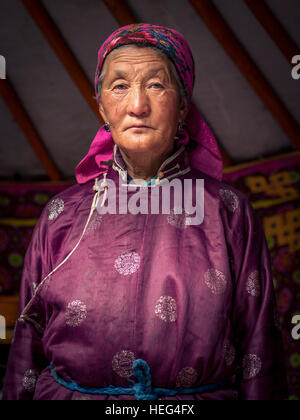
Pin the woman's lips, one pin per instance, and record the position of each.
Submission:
(139, 127)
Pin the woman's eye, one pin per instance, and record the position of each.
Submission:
(120, 87)
(157, 85)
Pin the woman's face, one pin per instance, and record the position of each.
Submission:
(137, 90)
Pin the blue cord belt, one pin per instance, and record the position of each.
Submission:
(142, 389)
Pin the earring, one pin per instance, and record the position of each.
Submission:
(181, 125)
(106, 126)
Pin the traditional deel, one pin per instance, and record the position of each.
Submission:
(194, 302)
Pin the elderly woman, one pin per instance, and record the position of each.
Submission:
(147, 305)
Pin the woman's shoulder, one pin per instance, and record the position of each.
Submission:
(221, 190)
(66, 203)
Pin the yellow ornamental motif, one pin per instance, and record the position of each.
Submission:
(279, 187)
(285, 228)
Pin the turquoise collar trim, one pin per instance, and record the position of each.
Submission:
(152, 181)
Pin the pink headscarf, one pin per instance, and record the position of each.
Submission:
(205, 156)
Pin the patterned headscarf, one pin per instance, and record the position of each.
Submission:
(205, 156)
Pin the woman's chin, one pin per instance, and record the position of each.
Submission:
(139, 144)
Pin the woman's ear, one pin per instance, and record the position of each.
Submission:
(184, 109)
(102, 112)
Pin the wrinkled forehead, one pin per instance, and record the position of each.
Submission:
(130, 58)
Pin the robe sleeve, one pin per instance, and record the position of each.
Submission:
(258, 338)
(26, 358)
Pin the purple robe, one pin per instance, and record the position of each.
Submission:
(196, 302)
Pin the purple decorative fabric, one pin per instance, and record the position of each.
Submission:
(196, 302)
(206, 155)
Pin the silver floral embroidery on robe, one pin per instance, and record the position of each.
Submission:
(76, 313)
(30, 379)
(166, 309)
(251, 366)
(178, 220)
(186, 377)
(122, 363)
(253, 285)
(215, 280)
(230, 199)
(229, 353)
(127, 263)
(55, 208)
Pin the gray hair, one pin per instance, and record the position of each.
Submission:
(173, 71)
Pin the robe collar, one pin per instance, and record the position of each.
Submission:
(176, 164)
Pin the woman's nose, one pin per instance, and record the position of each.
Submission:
(138, 102)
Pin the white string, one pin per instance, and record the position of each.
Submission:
(93, 207)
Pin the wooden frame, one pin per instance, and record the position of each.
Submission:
(217, 25)
(274, 28)
(47, 26)
(14, 104)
